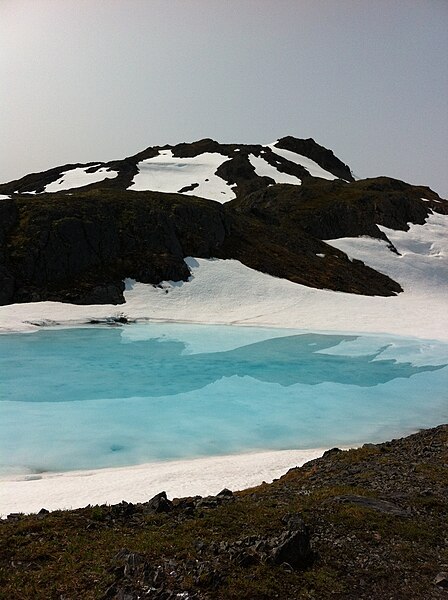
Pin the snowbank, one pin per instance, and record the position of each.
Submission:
(79, 177)
(264, 169)
(226, 291)
(201, 476)
(310, 165)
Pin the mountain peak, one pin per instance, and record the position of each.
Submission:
(204, 168)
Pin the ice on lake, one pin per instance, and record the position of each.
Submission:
(93, 397)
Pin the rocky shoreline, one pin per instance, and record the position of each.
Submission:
(359, 524)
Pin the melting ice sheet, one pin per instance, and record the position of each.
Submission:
(98, 397)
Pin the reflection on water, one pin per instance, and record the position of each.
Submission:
(90, 364)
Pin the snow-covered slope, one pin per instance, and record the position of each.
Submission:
(311, 166)
(264, 169)
(225, 291)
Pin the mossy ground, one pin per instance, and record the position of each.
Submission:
(359, 552)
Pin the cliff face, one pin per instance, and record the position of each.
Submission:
(79, 248)
(335, 209)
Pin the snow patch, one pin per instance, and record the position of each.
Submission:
(78, 177)
(426, 200)
(201, 476)
(312, 167)
(421, 266)
(166, 173)
(264, 169)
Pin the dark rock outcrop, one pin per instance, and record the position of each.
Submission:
(292, 548)
(441, 580)
(80, 247)
(322, 156)
(8, 220)
(333, 209)
(160, 503)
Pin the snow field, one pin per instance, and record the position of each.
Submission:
(75, 178)
(264, 169)
(166, 173)
(253, 298)
(201, 476)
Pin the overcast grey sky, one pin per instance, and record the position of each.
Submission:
(85, 80)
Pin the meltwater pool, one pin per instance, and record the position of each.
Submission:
(101, 396)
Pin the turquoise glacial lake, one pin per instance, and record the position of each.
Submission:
(102, 396)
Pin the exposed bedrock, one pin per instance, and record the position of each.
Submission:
(80, 246)
(334, 209)
(322, 156)
(8, 220)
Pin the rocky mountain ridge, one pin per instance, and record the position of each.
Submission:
(291, 156)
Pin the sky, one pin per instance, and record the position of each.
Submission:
(97, 80)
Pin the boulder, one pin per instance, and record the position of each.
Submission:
(160, 503)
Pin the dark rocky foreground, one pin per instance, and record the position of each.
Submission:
(79, 246)
(370, 523)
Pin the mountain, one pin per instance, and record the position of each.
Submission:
(74, 233)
